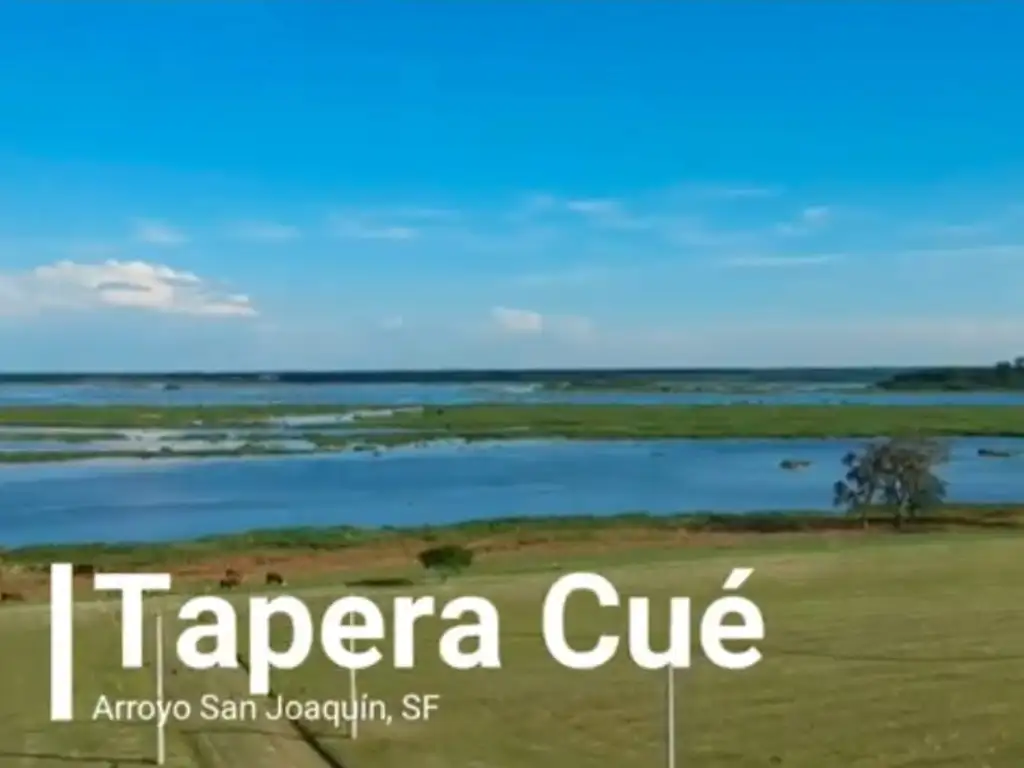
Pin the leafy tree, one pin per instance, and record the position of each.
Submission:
(446, 560)
(897, 475)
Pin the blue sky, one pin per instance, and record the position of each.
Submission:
(489, 184)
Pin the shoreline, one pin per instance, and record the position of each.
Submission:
(368, 559)
(952, 517)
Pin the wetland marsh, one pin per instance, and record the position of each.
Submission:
(344, 494)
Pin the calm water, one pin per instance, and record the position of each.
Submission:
(454, 394)
(173, 499)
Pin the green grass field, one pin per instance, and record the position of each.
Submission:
(886, 652)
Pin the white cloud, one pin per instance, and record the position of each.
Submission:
(517, 320)
(526, 322)
(265, 232)
(158, 233)
(138, 285)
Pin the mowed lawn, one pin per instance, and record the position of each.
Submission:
(902, 652)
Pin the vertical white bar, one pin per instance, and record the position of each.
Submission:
(352, 689)
(161, 736)
(61, 651)
(670, 717)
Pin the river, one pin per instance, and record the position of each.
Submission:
(171, 499)
(458, 394)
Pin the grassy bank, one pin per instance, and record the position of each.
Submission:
(521, 531)
(639, 422)
(871, 652)
(569, 421)
(59, 437)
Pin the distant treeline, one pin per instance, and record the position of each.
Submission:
(522, 376)
(1004, 375)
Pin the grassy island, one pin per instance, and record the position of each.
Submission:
(568, 421)
(77, 433)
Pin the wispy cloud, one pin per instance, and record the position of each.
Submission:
(610, 214)
(816, 214)
(151, 232)
(570, 276)
(594, 207)
(136, 285)
(777, 262)
(1013, 251)
(264, 232)
(964, 230)
(354, 228)
(538, 202)
(395, 223)
(809, 220)
(727, 191)
(426, 214)
(692, 233)
(746, 193)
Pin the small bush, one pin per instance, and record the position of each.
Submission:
(447, 559)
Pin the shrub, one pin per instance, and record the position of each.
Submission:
(447, 559)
